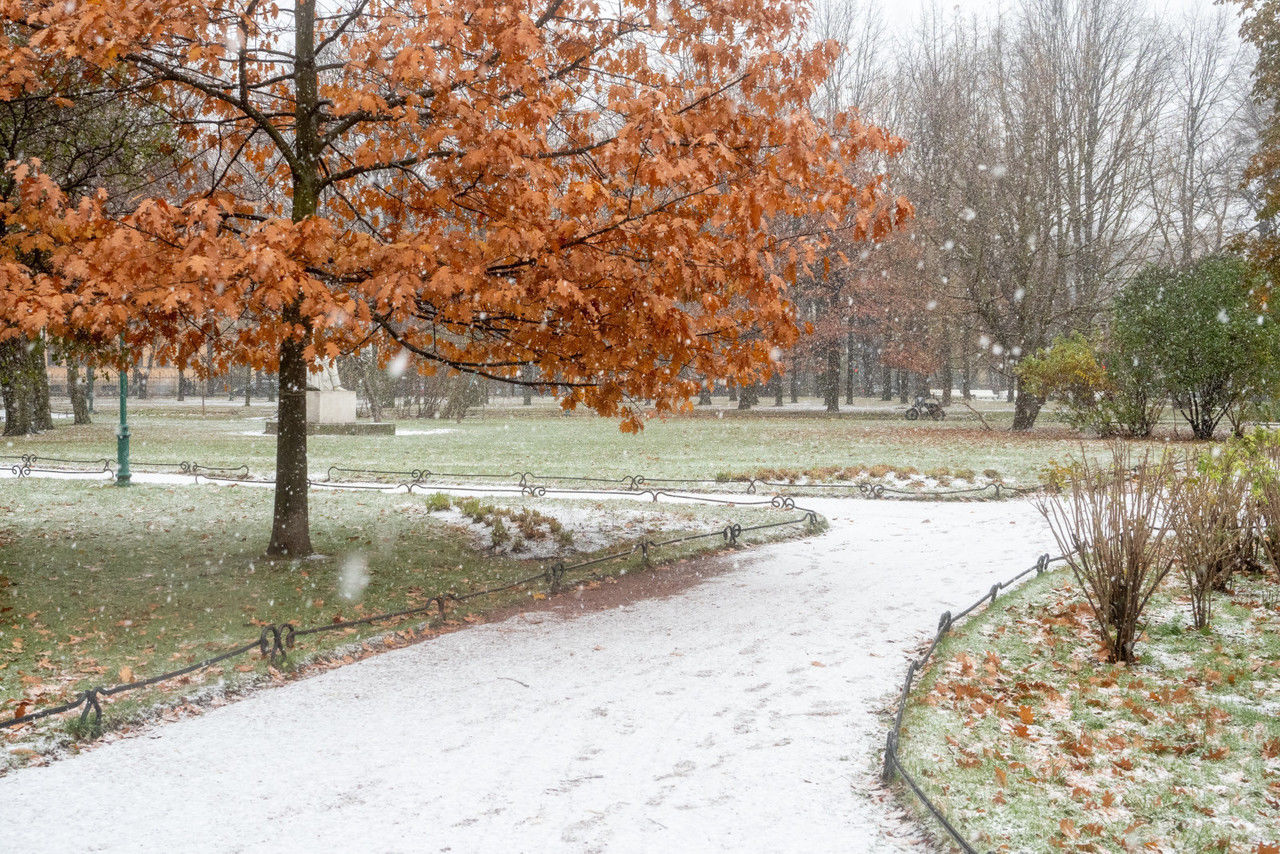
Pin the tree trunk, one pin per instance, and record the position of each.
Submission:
(851, 358)
(92, 379)
(42, 412)
(831, 379)
(795, 384)
(868, 370)
(904, 387)
(748, 396)
(248, 383)
(14, 382)
(75, 390)
(777, 389)
(182, 381)
(733, 391)
(290, 524)
(886, 382)
(1026, 409)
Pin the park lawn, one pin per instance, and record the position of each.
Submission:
(1028, 740)
(547, 444)
(101, 585)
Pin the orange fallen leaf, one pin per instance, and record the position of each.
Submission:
(1026, 715)
(126, 673)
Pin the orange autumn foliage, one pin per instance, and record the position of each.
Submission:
(498, 182)
(600, 192)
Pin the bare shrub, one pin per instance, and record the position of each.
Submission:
(1265, 503)
(1206, 511)
(1110, 523)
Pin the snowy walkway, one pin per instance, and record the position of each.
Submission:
(737, 715)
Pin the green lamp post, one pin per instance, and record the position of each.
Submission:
(123, 475)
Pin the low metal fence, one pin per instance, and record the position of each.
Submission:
(946, 622)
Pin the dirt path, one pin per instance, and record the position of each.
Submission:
(735, 714)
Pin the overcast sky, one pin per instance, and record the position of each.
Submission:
(899, 14)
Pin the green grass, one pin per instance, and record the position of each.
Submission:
(539, 441)
(99, 585)
(1029, 741)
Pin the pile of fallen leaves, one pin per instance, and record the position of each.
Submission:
(1030, 740)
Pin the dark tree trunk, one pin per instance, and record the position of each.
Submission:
(776, 382)
(1026, 409)
(851, 358)
(830, 378)
(13, 382)
(733, 390)
(947, 379)
(248, 384)
(92, 379)
(76, 391)
(886, 382)
(795, 384)
(868, 370)
(749, 396)
(904, 386)
(182, 382)
(42, 412)
(290, 524)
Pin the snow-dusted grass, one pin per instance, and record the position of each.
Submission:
(1030, 741)
(699, 446)
(100, 585)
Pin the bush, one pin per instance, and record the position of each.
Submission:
(1258, 458)
(1201, 334)
(1110, 524)
(1108, 391)
(1206, 510)
(1069, 372)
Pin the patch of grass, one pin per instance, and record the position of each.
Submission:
(547, 444)
(1028, 739)
(101, 585)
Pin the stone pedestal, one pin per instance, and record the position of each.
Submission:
(333, 412)
(331, 407)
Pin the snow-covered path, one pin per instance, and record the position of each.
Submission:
(737, 715)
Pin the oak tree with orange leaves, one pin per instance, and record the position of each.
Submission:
(488, 184)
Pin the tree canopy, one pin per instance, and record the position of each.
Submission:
(490, 184)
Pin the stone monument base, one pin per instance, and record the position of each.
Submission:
(333, 412)
(336, 406)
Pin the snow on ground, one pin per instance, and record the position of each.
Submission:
(737, 715)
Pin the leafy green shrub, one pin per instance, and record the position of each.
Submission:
(1199, 335)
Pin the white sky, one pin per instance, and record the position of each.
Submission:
(899, 14)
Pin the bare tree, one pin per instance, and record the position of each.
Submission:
(1207, 137)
